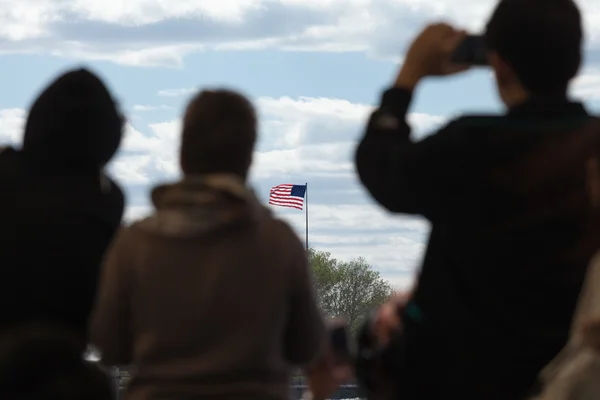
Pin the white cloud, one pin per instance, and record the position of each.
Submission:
(142, 12)
(161, 32)
(177, 92)
(402, 283)
(148, 157)
(587, 85)
(348, 231)
(161, 56)
(394, 245)
(298, 136)
(12, 123)
(304, 138)
(27, 19)
(134, 213)
(144, 108)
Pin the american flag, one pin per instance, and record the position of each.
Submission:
(287, 195)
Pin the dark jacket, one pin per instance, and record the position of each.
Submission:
(42, 360)
(513, 230)
(209, 297)
(58, 211)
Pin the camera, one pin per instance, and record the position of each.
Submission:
(374, 365)
(472, 51)
(377, 366)
(369, 365)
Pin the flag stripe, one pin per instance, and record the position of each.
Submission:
(282, 199)
(288, 195)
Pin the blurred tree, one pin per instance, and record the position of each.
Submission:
(349, 289)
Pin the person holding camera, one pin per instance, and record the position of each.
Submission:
(514, 218)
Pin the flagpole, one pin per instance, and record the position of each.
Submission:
(306, 213)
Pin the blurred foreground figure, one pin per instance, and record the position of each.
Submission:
(574, 373)
(58, 210)
(42, 361)
(210, 296)
(514, 216)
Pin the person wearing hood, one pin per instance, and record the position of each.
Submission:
(58, 210)
(211, 295)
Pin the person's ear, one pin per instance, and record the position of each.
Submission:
(502, 70)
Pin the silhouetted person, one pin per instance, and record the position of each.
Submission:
(514, 222)
(58, 210)
(210, 296)
(42, 361)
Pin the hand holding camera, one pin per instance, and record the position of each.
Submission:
(382, 328)
(387, 319)
(335, 366)
(431, 54)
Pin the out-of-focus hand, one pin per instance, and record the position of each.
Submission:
(325, 376)
(430, 54)
(387, 319)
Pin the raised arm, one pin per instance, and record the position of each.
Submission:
(404, 175)
(382, 157)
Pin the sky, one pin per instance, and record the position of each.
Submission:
(314, 69)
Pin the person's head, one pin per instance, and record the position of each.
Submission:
(535, 47)
(219, 132)
(40, 361)
(74, 122)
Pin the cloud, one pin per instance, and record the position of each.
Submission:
(144, 108)
(587, 85)
(12, 123)
(299, 136)
(146, 158)
(303, 139)
(134, 213)
(177, 92)
(394, 244)
(161, 32)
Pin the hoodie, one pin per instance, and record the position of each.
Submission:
(59, 211)
(210, 296)
(74, 122)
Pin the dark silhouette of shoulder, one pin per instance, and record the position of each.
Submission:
(59, 210)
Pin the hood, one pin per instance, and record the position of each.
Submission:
(73, 121)
(196, 206)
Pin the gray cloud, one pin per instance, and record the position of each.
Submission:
(150, 34)
(343, 218)
(274, 20)
(301, 139)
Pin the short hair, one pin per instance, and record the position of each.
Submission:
(219, 133)
(540, 39)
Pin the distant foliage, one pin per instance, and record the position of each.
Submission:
(349, 289)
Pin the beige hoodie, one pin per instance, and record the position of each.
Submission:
(211, 296)
(575, 373)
